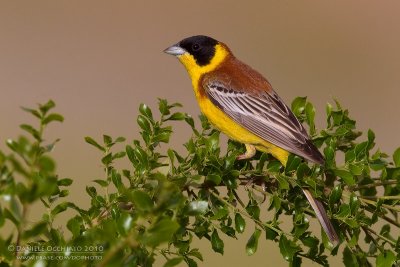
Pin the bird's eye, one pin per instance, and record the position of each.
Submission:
(195, 47)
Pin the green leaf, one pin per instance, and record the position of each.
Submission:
(205, 124)
(144, 124)
(288, 248)
(275, 202)
(146, 111)
(16, 208)
(9, 215)
(274, 166)
(371, 139)
(354, 203)
(270, 234)
(120, 139)
(178, 116)
(240, 223)
(337, 117)
(253, 209)
(212, 142)
(63, 193)
(131, 154)
(163, 107)
(142, 200)
(116, 179)
(311, 242)
(119, 155)
(173, 262)
(217, 243)
(298, 105)
(36, 230)
(174, 105)
(124, 223)
(396, 157)
(360, 150)
(34, 112)
(329, 154)
(345, 175)
(356, 169)
(107, 139)
(46, 107)
(385, 231)
(64, 182)
(141, 155)
(329, 109)
(197, 207)
(386, 259)
(190, 262)
(220, 213)
(189, 120)
(91, 191)
(292, 163)
(102, 183)
(2, 218)
(336, 195)
(214, 178)
(350, 156)
(310, 116)
(344, 211)
(74, 225)
(91, 141)
(283, 183)
(35, 133)
(62, 207)
(297, 261)
(252, 243)
(195, 253)
(162, 137)
(53, 117)
(303, 171)
(107, 159)
(349, 258)
(160, 232)
(46, 164)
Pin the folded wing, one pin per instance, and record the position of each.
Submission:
(265, 115)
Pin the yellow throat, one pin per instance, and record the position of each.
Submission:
(195, 71)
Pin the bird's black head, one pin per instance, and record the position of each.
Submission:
(201, 47)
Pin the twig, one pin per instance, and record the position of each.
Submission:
(367, 233)
(389, 220)
(371, 202)
(258, 222)
(372, 185)
(382, 197)
(238, 199)
(381, 237)
(259, 189)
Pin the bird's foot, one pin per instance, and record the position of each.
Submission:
(250, 152)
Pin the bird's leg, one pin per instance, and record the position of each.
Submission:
(250, 152)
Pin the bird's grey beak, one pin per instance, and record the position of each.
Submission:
(175, 50)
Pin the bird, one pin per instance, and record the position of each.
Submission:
(241, 103)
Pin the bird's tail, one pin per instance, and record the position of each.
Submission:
(322, 217)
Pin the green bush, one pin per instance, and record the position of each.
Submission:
(166, 199)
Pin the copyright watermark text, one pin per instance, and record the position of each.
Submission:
(59, 253)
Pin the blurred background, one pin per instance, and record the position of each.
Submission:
(99, 59)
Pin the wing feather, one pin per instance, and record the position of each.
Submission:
(265, 115)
